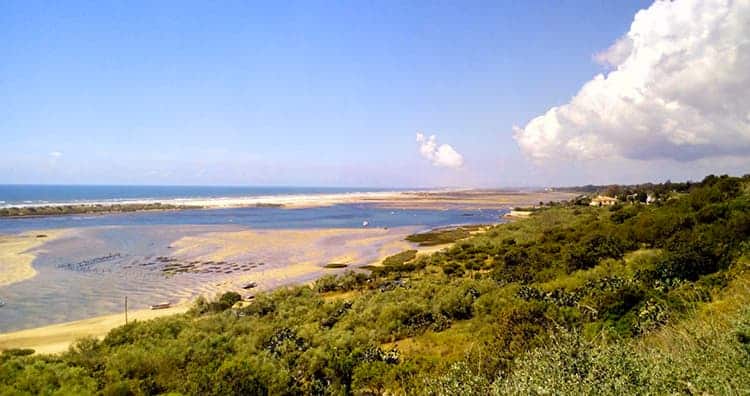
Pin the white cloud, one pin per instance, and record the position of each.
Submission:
(616, 53)
(443, 155)
(679, 89)
(54, 157)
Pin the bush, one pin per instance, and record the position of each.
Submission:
(400, 258)
(688, 258)
(571, 365)
(595, 248)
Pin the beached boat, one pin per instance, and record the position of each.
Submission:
(163, 305)
(250, 285)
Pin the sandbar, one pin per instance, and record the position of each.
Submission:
(17, 256)
(431, 199)
(291, 256)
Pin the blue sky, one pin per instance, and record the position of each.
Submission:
(288, 93)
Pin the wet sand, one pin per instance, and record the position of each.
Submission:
(291, 256)
(17, 254)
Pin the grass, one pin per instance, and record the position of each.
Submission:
(335, 265)
(400, 258)
(439, 237)
(437, 347)
(344, 295)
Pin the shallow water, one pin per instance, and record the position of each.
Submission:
(336, 216)
(104, 258)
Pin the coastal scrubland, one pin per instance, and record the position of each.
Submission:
(628, 299)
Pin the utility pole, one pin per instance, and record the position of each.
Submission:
(126, 309)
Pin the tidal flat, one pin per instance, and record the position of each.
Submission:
(85, 266)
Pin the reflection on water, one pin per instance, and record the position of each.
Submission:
(90, 270)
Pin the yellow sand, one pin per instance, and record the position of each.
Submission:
(305, 249)
(58, 337)
(299, 246)
(231, 244)
(16, 256)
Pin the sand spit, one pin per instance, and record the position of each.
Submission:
(17, 254)
(58, 337)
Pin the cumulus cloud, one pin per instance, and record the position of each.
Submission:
(678, 88)
(616, 54)
(443, 155)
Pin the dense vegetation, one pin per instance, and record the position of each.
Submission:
(631, 299)
(52, 210)
(439, 237)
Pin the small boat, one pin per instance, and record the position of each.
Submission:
(163, 305)
(250, 285)
(2, 303)
(250, 297)
(365, 223)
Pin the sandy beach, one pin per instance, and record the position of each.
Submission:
(57, 338)
(16, 255)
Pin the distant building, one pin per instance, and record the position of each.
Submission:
(602, 200)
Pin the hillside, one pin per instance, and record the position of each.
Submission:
(627, 299)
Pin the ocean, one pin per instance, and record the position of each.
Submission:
(23, 194)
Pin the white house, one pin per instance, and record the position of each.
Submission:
(602, 200)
